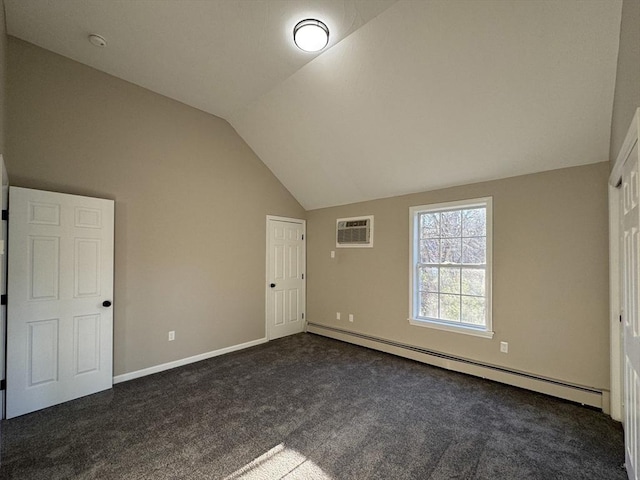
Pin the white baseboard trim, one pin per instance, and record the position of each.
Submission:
(584, 395)
(185, 361)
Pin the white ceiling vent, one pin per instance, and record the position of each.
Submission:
(356, 232)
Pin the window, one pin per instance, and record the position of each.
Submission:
(451, 266)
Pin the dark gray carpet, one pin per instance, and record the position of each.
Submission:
(310, 407)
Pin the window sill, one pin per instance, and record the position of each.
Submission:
(451, 328)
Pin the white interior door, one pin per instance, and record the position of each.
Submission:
(285, 297)
(630, 248)
(60, 289)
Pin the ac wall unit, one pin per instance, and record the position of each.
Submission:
(355, 232)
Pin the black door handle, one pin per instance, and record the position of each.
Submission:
(272, 285)
(106, 303)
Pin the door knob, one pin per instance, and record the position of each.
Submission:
(272, 285)
(106, 303)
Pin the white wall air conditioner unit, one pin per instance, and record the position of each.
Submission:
(356, 232)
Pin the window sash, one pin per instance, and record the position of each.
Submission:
(463, 323)
(440, 291)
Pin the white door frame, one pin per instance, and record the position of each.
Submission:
(267, 288)
(615, 326)
(4, 205)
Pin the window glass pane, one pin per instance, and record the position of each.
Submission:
(430, 251)
(428, 279)
(474, 250)
(430, 225)
(474, 222)
(450, 260)
(450, 307)
(472, 281)
(473, 310)
(450, 224)
(450, 250)
(450, 280)
(429, 305)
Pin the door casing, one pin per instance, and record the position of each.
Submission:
(616, 399)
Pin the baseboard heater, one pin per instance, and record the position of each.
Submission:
(559, 388)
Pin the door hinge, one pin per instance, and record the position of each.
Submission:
(303, 276)
(303, 236)
(303, 316)
(3, 385)
(5, 215)
(620, 319)
(3, 299)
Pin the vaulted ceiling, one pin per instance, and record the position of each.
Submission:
(410, 95)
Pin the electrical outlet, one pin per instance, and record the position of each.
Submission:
(351, 317)
(333, 254)
(172, 336)
(337, 315)
(504, 347)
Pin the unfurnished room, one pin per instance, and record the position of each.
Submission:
(320, 239)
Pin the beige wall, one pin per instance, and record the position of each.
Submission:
(550, 277)
(191, 200)
(627, 93)
(3, 82)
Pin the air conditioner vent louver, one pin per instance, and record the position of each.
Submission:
(354, 232)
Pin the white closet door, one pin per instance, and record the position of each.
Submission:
(630, 248)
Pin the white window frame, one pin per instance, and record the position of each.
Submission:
(485, 331)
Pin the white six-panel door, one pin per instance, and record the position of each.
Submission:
(60, 289)
(630, 249)
(285, 297)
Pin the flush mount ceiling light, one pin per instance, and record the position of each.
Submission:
(311, 35)
(97, 40)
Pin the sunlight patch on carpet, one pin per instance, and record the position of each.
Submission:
(278, 462)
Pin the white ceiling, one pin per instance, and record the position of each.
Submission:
(410, 96)
(215, 55)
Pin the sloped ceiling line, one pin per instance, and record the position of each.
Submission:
(411, 95)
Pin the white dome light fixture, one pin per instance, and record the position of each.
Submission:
(311, 35)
